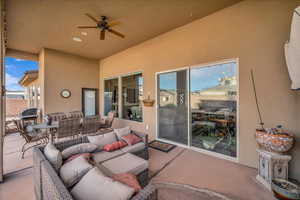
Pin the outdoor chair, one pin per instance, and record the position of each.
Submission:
(57, 116)
(32, 137)
(68, 128)
(109, 120)
(75, 114)
(90, 124)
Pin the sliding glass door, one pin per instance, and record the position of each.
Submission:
(213, 108)
(172, 106)
(197, 107)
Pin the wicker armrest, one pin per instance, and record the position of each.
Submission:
(148, 193)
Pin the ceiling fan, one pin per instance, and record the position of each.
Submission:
(103, 25)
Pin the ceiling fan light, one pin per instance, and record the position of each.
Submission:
(77, 39)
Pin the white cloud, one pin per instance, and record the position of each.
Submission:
(12, 82)
(19, 60)
(9, 79)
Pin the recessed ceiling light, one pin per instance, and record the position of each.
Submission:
(77, 39)
(84, 33)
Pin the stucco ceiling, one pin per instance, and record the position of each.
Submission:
(33, 24)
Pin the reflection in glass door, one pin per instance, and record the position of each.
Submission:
(213, 106)
(89, 101)
(172, 108)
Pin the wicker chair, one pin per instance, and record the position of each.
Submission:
(68, 127)
(109, 120)
(33, 137)
(75, 114)
(57, 116)
(90, 125)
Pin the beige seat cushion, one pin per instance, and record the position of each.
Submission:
(102, 156)
(101, 140)
(96, 186)
(79, 148)
(73, 171)
(127, 163)
(53, 155)
(120, 132)
(134, 148)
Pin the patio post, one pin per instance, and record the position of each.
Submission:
(2, 83)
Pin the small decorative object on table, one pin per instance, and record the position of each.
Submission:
(148, 102)
(48, 119)
(285, 190)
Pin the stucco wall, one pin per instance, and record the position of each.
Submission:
(60, 71)
(253, 31)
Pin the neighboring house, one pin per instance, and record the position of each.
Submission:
(30, 82)
(15, 103)
(14, 106)
(15, 95)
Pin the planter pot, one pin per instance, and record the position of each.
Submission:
(277, 143)
(285, 190)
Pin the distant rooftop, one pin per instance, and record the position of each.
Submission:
(28, 77)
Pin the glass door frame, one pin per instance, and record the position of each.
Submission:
(188, 105)
(96, 99)
(157, 106)
(188, 68)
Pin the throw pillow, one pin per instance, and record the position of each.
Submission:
(87, 156)
(128, 179)
(122, 132)
(53, 155)
(96, 186)
(131, 139)
(79, 148)
(101, 140)
(114, 146)
(74, 170)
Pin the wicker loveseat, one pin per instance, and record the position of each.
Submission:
(49, 186)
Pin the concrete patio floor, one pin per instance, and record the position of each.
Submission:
(233, 180)
(12, 154)
(178, 166)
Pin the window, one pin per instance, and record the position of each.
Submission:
(111, 96)
(132, 93)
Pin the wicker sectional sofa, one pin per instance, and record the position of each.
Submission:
(49, 186)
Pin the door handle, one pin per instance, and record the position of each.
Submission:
(181, 98)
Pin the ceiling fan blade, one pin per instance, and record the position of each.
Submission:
(87, 27)
(91, 17)
(116, 33)
(102, 34)
(111, 24)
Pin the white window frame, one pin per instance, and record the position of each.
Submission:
(103, 97)
(120, 85)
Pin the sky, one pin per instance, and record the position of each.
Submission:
(201, 78)
(14, 69)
